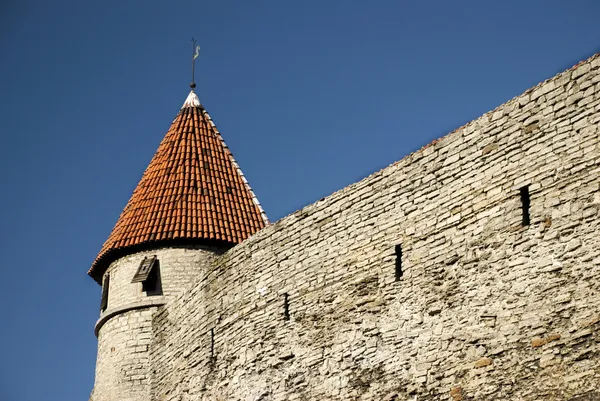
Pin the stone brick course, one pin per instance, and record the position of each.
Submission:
(179, 268)
(123, 364)
(486, 309)
(125, 328)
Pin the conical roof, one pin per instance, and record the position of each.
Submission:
(193, 191)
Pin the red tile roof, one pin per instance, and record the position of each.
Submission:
(192, 191)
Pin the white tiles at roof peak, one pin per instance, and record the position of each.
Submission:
(191, 101)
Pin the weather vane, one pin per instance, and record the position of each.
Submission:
(195, 53)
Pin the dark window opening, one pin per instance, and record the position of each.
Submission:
(286, 307)
(398, 272)
(212, 344)
(148, 274)
(525, 203)
(153, 284)
(104, 299)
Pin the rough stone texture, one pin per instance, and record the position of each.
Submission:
(125, 327)
(123, 365)
(179, 268)
(485, 309)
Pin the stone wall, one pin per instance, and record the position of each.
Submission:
(122, 364)
(124, 329)
(485, 308)
(179, 268)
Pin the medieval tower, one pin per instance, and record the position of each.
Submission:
(191, 205)
(468, 270)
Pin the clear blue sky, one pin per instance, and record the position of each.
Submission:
(310, 96)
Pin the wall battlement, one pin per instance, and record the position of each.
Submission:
(478, 306)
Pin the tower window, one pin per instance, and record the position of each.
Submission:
(398, 270)
(525, 203)
(148, 274)
(104, 299)
(153, 285)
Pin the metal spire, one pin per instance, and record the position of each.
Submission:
(195, 53)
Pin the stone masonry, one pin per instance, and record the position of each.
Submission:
(125, 328)
(420, 282)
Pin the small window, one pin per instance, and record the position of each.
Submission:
(144, 270)
(286, 306)
(525, 203)
(153, 285)
(104, 299)
(212, 345)
(398, 270)
(148, 274)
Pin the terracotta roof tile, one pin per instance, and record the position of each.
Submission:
(193, 189)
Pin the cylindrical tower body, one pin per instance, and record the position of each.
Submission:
(124, 329)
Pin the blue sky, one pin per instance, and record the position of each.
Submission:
(310, 96)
